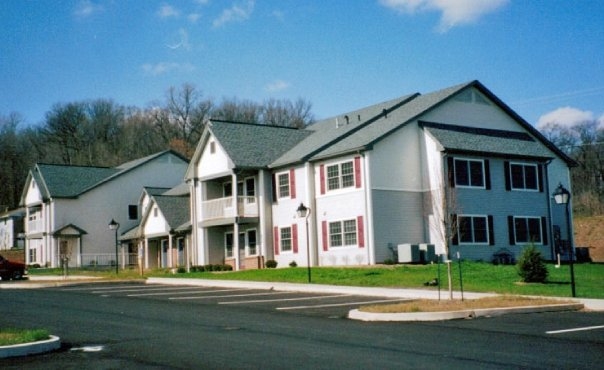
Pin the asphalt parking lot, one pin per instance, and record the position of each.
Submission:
(313, 304)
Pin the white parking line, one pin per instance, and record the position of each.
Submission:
(342, 304)
(101, 288)
(139, 289)
(286, 299)
(574, 329)
(196, 291)
(230, 296)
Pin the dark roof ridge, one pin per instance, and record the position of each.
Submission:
(252, 124)
(71, 165)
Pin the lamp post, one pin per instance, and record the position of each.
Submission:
(114, 225)
(562, 196)
(304, 212)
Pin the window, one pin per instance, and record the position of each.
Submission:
(527, 230)
(155, 211)
(283, 185)
(251, 242)
(212, 147)
(340, 176)
(228, 245)
(132, 212)
(343, 233)
(524, 176)
(286, 239)
(469, 173)
(473, 229)
(250, 190)
(33, 255)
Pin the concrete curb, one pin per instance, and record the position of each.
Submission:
(465, 314)
(33, 348)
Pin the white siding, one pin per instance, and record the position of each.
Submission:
(212, 164)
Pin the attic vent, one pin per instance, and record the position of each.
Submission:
(385, 113)
(347, 119)
(471, 96)
(359, 117)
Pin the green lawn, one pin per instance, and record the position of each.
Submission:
(12, 336)
(477, 277)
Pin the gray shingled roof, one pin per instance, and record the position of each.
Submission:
(327, 132)
(385, 124)
(479, 140)
(252, 145)
(63, 181)
(176, 210)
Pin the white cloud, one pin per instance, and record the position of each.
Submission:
(87, 8)
(601, 122)
(183, 42)
(566, 117)
(166, 67)
(193, 17)
(168, 11)
(278, 85)
(453, 12)
(236, 13)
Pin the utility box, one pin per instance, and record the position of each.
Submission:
(426, 253)
(408, 253)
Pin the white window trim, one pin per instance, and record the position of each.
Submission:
(343, 234)
(540, 231)
(484, 180)
(486, 218)
(278, 185)
(232, 246)
(291, 239)
(247, 243)
(524, 164)
(340, 188)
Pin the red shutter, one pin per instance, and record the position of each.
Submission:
(322, 178)
(276, 240)
(292, 183)
(361, 232)
(357, 172)
(295, 238)
(325, 236)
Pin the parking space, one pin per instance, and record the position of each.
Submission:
(314, 304)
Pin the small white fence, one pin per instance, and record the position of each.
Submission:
(108, 259)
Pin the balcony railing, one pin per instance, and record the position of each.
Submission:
(223, 208)
(35, 226)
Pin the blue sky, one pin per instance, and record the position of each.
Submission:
(542, 57)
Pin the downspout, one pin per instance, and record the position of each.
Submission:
(549, 208)
(369, 221)
(312, 219)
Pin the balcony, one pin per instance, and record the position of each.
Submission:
(35, 226)
(221, 210)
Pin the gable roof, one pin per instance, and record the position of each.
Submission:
(253, 145)
(176, 210)
(67, 181)
(380, 120)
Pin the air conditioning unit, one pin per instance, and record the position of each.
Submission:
(426, 252)
(408, 253)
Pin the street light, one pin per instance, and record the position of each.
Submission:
(304, 212)
(114, 225)
(562, 196)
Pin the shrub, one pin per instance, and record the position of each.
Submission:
(531, 266)
(293, 264)
(181, 270)
(388, 261)
(271, 264)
